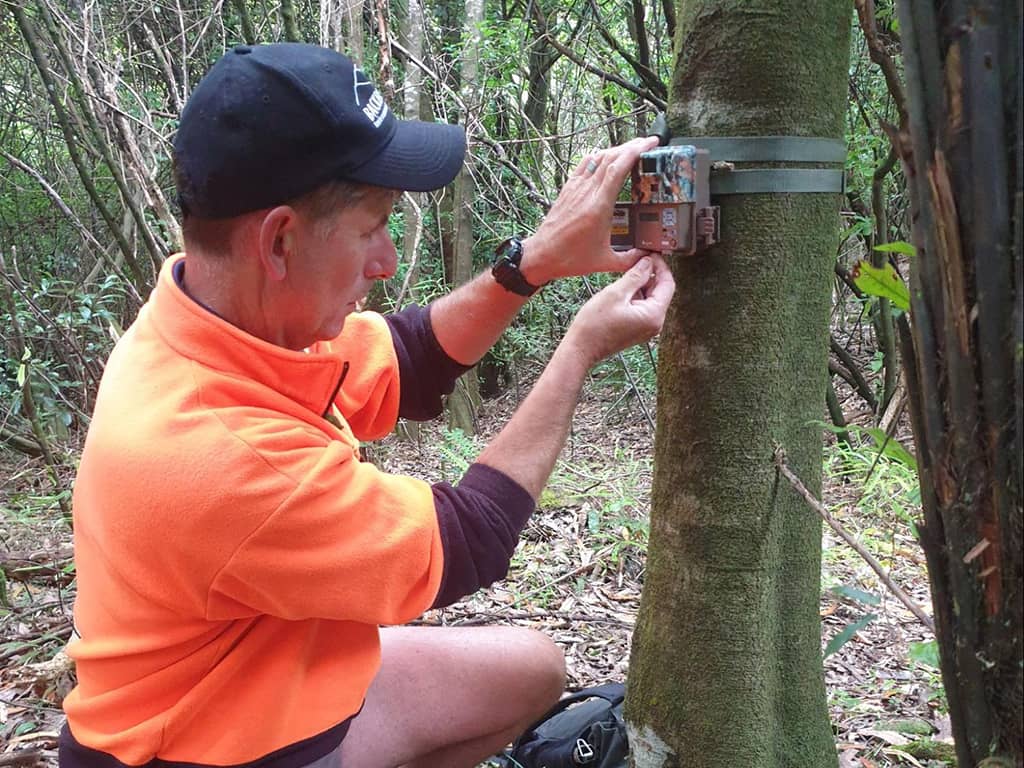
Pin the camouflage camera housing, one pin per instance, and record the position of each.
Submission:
(671, 209)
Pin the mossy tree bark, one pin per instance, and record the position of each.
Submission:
(726, 666)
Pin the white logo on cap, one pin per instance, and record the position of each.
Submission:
(375, 109)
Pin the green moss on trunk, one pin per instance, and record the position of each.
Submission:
(726, 667)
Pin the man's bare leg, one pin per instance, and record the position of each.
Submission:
(448, 697)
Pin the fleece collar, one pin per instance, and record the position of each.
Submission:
(309, 378)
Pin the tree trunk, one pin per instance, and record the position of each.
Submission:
(726, 664)
(412, 204)
(412, 105)
(291, 24)
(341, 28)
(465, 399)
(962, 156)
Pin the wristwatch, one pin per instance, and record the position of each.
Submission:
(505, 268)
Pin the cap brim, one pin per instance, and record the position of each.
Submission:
(420, 157)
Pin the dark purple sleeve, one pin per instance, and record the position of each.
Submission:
(480, 521)
(425, 372)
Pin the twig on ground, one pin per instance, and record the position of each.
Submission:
(574, 572)
(482, 617)
(817, 506)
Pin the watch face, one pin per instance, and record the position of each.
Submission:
(510, 252)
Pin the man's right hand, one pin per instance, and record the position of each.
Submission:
(629, 311)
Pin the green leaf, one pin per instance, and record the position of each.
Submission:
(877, 361)
(926, 653)
(884, 282)
(857, 594)
(847, 634)
(25, 728)
(892, 450)
(891, 447)
(899, 246)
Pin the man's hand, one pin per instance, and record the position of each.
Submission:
(574, 237)
(627, 312)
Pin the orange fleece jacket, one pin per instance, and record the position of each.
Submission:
(234, 555)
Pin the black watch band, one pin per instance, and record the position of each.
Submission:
(505, 268)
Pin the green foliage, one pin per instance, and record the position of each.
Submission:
(900, 246)
(885, 485)
(847, 634)
(67, 326)
(885, 282)
(859, 595)
(887, 446)
(925, 653)
(458, 450)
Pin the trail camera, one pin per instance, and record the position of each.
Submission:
(671, 209)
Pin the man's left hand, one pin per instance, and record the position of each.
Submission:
(575, 236)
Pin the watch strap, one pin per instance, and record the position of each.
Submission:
(505, 268)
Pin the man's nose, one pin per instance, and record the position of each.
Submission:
(384, 264)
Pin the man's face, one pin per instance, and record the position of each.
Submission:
(337, 261)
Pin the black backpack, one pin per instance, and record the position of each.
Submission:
(584, 729)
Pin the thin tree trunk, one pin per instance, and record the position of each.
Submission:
(412, 204)
(465, 399)
(248, 31)
(291, 24)
(85, 174)
(726, 665)
(883, 322)
(156, 249)
(341, 27)
(835, 412)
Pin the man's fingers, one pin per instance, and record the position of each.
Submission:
(664, 285)
(615, 161)
(624, 156)
(637, 277)
(621, 261)
(589, 164)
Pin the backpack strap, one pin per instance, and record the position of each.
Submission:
(613, 693)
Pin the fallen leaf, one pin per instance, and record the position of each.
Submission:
(889, 737)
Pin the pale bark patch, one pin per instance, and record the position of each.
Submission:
(648, 750)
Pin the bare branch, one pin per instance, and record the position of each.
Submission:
(584, 64)
(881, 57)
(817, 506)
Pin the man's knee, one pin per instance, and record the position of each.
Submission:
(543, 664)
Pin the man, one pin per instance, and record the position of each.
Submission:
(235, 558)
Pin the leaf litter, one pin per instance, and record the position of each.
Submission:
(576, 576)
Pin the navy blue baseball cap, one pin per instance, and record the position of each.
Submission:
(269, 123)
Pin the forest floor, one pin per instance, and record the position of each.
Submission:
(576, 575)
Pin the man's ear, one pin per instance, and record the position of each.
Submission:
(277, 241)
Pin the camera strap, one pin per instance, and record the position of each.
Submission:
(726, 180)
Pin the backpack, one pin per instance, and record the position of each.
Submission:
(584, 729)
